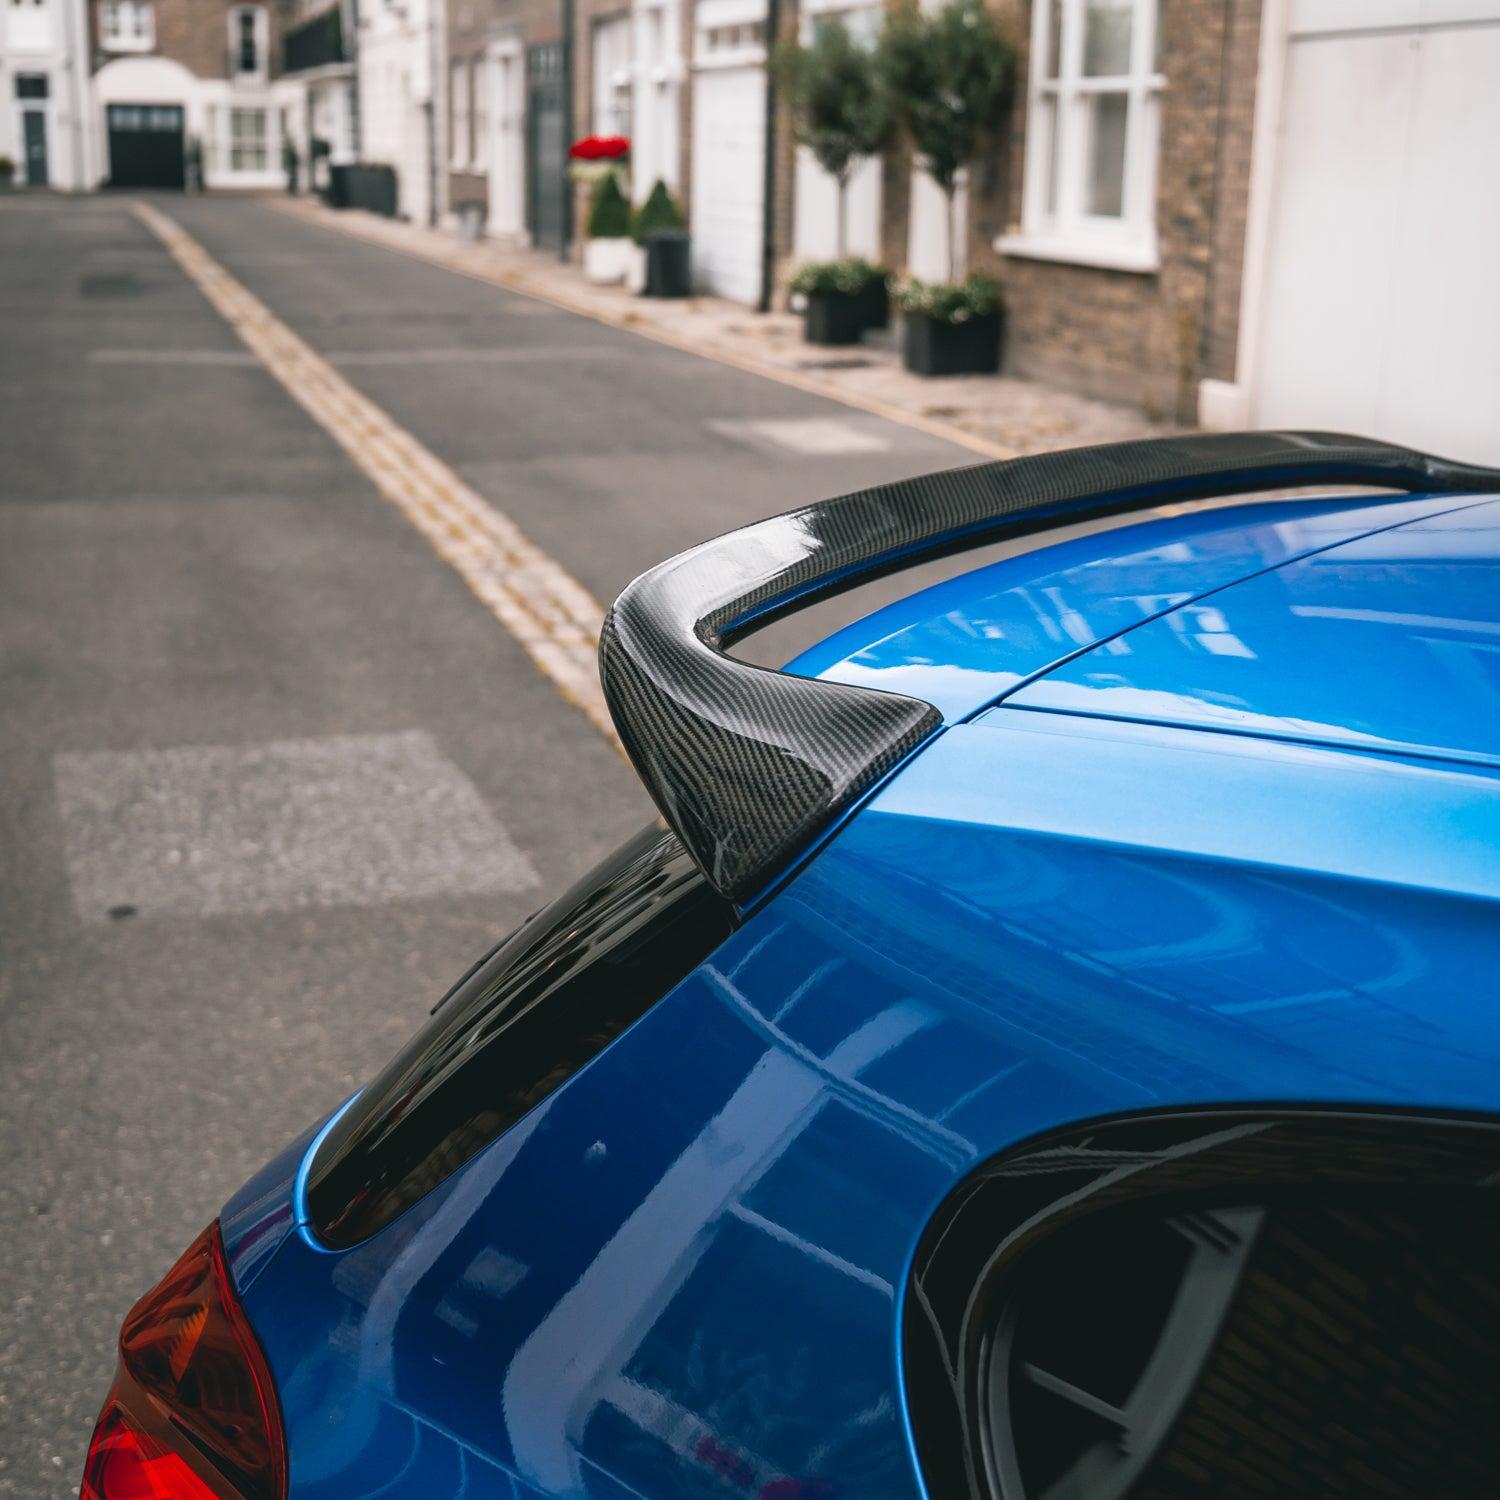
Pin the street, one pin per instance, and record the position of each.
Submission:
(273, 776)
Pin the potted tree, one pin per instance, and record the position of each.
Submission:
(606, 252)
(840, 300)
(950, 75)
(841, 114)
(951, 328)
(7, 173)
(660, 232)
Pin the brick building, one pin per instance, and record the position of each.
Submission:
(182, 86)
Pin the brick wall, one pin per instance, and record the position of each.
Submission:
(1142, 339)
(195, 33)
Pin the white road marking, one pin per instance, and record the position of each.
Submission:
(209, 830)
(548, 611)
(817, 437)
(231, 357)
(514, 354)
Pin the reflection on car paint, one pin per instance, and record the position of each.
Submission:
(679, 1277)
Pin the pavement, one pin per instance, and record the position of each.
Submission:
(275, 768)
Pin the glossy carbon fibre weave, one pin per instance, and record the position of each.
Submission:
(747, 764)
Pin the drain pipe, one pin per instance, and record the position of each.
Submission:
(566, 237)
(768, 187)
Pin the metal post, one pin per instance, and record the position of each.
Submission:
(768, 203)
(566, 237)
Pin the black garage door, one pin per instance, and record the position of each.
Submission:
(145, 145)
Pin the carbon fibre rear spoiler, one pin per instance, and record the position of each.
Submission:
(746, 764)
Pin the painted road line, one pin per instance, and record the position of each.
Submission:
(548, 611)
(437, 250)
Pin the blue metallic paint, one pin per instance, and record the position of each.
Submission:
(680, 1275)
(1389, 641)
(965, 642)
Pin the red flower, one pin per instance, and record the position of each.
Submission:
(599, 148)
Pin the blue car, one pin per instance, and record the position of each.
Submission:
(1049, 1048)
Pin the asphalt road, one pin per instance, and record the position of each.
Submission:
(270, 775)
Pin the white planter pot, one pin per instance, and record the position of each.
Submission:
(635, 269)
(605, 261)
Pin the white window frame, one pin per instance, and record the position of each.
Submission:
(612, 76)
(262, 43)
(241, 142)
(1066, 231)
(139, 35)
(459, 84)
(479, 109)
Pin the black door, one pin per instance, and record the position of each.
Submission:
(146, 145)
(546, 147)
(36, 147)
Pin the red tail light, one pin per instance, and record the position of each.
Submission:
(192, 1414)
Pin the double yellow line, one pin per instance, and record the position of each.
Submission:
(544, 607)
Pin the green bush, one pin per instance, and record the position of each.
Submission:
(819, 277)
(949, 302)
(7, 166)
(609, 217)
(659, 211)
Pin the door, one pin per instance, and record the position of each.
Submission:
(1380, 301)
(546, 147)
(728, 182)
(508, 150)
(145, 145)
(35, 128)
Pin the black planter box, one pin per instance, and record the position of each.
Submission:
(834, 318)
(932, 347)
(669, 264)
(875, 303)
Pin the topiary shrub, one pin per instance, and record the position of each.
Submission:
(609, 216)
(817, 278)
(659, 211)
(838, 102)
(949, 75)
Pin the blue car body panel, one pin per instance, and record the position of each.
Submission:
(964, 643)
(1388, 641)
(681, 1274)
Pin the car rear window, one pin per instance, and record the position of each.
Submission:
(518, 1026)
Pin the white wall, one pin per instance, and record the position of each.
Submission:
(401, 100)
(659, 72)
(1370, 301)
(48, 39)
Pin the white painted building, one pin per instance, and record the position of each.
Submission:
(191, 85)
(729, 147)
(636, 77)
(318, 55)
(44, 87)
(399, 61)
(1370, 300)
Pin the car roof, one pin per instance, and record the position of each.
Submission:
(1388, 642)
(991, 633)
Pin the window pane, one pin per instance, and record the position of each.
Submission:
(1052, 49)
(1046, 123)
(1293, 1349)
(1106, 41)
(1107, 115)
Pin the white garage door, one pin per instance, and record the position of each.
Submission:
(728, 184)
(1381, 305)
